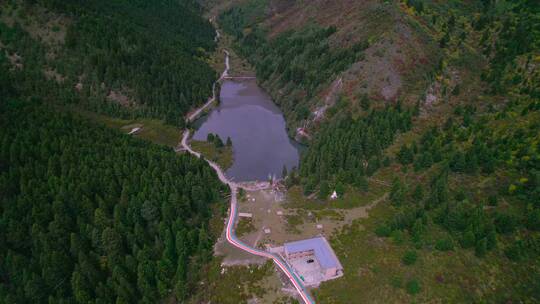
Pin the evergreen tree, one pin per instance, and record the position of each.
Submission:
(324, 190)
(99, 230)
(397, 193)
(481, 247)
(218, 143)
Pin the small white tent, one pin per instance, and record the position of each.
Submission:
(334, 195)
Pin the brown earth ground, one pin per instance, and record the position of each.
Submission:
(291, 224)
(290, 216)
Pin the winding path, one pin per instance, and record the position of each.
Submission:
(230, 233)
(193, 115)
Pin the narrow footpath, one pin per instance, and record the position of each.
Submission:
(230, 232)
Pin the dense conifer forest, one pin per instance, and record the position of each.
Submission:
(87, 214)
(476, 141)
(446, 170)
(90, 215)
(350, 149)
(126, 59)
(464, 181)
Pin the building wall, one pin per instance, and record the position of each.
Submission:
(330, 272)
(300, 254)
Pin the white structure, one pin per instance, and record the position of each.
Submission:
(243, 214)
(134, 130)
(313, 259)
(334, 195)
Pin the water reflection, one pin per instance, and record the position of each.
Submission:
(256, 126)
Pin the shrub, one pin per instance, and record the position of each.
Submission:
(460, 195)
(324, 190)
(468, 239)
(418, 193)
(533, 220)
(397, 237)
(514, 252)
(481, 247)
(383, 230)
(340, 188)
(410, 257)
(405, 155)
(362, 184)
(417, 231)
(505, 223)
(493, 200)
(445, 244)
(413, 287)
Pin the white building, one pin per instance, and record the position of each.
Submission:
(317, 252)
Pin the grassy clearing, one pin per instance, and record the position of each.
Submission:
(151, 130)
(222, 156)
(351, 199)
(328, 214)
(233, 285)
(293, 221)
(244, 226)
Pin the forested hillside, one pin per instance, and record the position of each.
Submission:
(509, 71)
(422, 115)
(301, 61)
(457, 144)
(88, 215)
(470, 181)
(348, 150)
(121, 58)
(364, 51)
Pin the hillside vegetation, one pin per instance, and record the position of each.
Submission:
(451, 124)
(125, 59)
(307, 59)
(88, 214)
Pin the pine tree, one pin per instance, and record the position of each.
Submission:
(418, 193)
(324, 190)
(397, 194)
(218, 143)
(468, 239)
(340, 188)
(405, 155)
(481, 247)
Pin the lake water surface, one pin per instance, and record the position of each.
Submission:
(256, 127)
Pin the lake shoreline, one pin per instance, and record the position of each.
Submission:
(257, 127)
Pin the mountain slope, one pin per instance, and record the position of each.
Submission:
(88, 214)
(438, 100)
(121, 58)
(310, 58)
